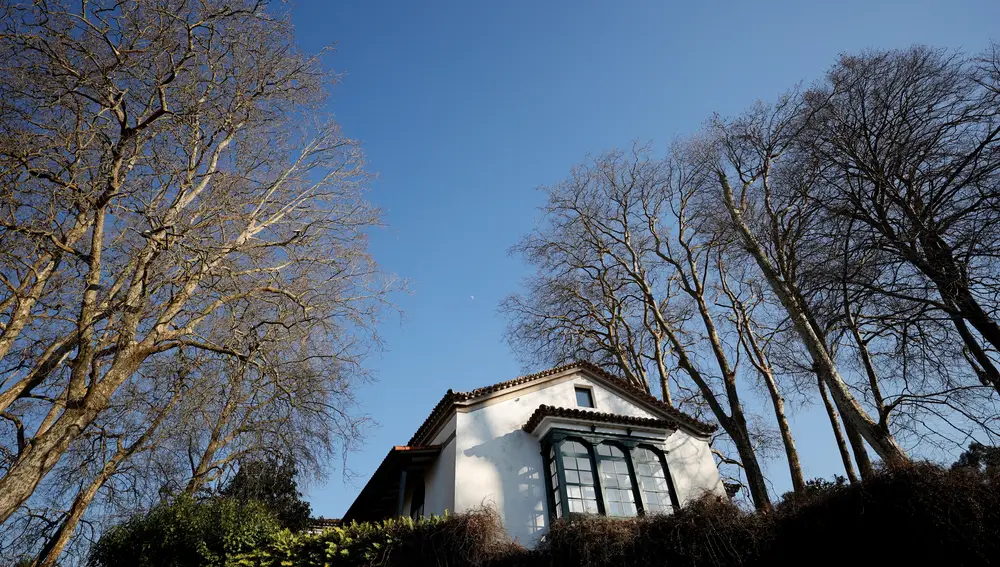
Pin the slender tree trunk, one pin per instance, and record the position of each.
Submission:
(791, 453)
(941, 267)
(38, 458)
(57, 543)
(751, 467)
(758, 358)
(857, 443)
(735, 426)
(831, 411)
(859, 450)
(869, 366)
(665, 390)
(734, 423)
(661, 369)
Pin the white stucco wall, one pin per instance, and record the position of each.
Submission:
(439, 479)
(497, 463)
(692, 467)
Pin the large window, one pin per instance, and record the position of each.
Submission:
(589, 474)
(654, 482)
(554, 483)
(619, 490)
(581, 494)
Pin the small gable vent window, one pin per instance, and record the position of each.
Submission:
(584, 397)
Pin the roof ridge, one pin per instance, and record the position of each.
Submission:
(451, 396)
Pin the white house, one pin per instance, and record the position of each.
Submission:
(573, 439)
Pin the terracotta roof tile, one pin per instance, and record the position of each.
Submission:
(451, 397)
(544, 411)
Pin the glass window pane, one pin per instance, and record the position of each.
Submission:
(652, 481)
(581, 496)
(584, 398)
(617, 482)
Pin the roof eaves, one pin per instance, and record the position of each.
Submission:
(451, 397)
(545, 411)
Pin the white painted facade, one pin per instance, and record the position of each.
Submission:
(488, 459)
(474, 451)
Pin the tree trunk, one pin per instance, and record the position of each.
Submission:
(791, 453)
(941, 267)
(758, 358)
(38, 458)
(860, 452)
(831, 411)
(751, 467)
(57, 543)
(46, 448)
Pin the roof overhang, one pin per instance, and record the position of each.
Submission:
(547, 417)
(380, 498)
(466, 401)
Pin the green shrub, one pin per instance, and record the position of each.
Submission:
(472, 539)
(272, 482)
(915, 515)
(187, 533)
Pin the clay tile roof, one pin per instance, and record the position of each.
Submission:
(544, 411)
(451, 397)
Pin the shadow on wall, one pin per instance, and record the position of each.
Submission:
(692, 468)
(518, 464)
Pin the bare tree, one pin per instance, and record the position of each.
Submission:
(165, 188)
(743, 176)
(908, 148)
(621, 239)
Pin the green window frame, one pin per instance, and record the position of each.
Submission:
(605, 474)
(617, 480)
(655, 484)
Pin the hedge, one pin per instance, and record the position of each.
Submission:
(917, 515)
(473, 540)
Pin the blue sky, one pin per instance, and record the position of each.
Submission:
(465, 107)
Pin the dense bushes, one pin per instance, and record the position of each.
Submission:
(472, 540)
(915, 516)
(187, 533)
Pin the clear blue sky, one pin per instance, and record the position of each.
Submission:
(464, 107)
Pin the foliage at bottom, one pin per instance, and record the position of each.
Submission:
(916, 515)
